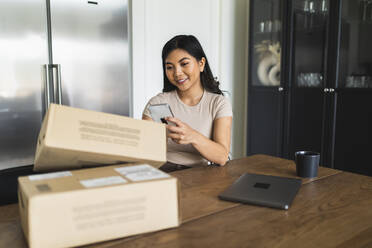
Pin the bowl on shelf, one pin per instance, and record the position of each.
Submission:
(311, 79)
(360, 81)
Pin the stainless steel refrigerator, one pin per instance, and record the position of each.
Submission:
(71, 52)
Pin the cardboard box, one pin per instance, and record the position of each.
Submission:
(71, 208)
(77, 138)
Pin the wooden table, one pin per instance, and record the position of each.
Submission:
(332, 210)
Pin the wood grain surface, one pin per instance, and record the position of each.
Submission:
(198, 201)
(201, 186)
(335, 212)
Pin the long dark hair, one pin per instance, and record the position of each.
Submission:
(191, 45)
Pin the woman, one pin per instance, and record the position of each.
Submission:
(202, 115)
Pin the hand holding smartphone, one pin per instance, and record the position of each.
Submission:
(159, 112)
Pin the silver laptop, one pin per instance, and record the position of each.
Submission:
(269, 191)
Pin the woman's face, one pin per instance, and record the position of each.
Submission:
(183, 70)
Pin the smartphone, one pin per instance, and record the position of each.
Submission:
(159, 112)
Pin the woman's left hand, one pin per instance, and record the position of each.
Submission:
(181, 133)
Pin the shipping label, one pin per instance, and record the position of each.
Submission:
(141, 172)
(49, 175)
(103, 181)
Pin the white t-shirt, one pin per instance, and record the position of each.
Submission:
(199, 117)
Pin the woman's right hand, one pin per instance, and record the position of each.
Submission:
(181, 133)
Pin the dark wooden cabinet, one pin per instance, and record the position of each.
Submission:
(323, 101)
(266, 93)
(266, 128)
(353, 131)
(306, 122)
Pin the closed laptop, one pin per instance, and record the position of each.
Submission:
(263, 190)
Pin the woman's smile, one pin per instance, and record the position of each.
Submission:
(181, 81)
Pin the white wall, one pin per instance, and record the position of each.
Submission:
(219, 25)
(233, 66)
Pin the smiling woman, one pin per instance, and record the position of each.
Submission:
(183, 71)
(202, 115)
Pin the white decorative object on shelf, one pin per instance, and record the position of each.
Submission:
(268, 70)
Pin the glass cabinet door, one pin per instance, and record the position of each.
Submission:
(308, 82)
(355, 60)
(265, 93)
(309, 42)
(353, 126)
(266, 43)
